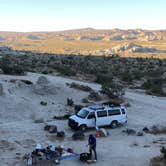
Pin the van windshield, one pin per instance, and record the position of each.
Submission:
(82, 113)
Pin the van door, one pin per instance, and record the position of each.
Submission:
(124, 115)
(102, 118)
(91, 119)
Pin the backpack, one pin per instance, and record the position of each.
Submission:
(85, 156)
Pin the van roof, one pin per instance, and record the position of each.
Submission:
(101, 107)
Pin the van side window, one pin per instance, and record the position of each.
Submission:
(123, 111)
(91, 115)
(102, 113)
(114, 112)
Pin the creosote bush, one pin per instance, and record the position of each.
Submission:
(103, 69)
(163, 151)
(70, 102)
(154, 85)
(10, 67)
(78, 108)
(112, 90)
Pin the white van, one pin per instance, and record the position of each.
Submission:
(98, 115)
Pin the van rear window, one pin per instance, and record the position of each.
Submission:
(102, 113)
(114, 112)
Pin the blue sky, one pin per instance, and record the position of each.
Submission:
(51, 15)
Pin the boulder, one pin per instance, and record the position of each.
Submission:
(39, 120)
(140, 133)
(164, 75)
(1, 71)
(53, 129)
(43, 103)
(20, 84)
(130, 131)
(45, 89)
(42, 80)
(145, 129)
(47, 127)
(60, 134)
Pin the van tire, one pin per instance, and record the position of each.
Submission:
(83, 128)
(114, 124)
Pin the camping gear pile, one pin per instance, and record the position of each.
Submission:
(50, 153)
(86, 157)
(101, 132)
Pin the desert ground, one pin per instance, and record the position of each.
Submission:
(20, 107)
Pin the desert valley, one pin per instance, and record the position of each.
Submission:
(89, 41)
(82, 82)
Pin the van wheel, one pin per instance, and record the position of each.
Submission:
(83, 128)
(114, 124)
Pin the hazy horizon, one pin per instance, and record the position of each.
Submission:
(82, 29)
(54, 15)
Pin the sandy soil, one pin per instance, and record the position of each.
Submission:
(20, 106)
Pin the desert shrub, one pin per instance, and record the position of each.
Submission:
(127, 77)
(159, 160)
(146, 84)
(65, 70)
(7, 69)
(18, 70)
(155, 129)
(85, 100)
(27, 82)
(45, 72)
(154, 85)
(80, 87)
(103, 78)
(112, 90)
(137, 74)
(94, 96)
(78, 108)
(40, 120)
(70, 102)
(12, 69)
(63, 117)
(163, 151)
(103, 68)
(154, 72)
(9, 66)
(156, 89)
(43, 103)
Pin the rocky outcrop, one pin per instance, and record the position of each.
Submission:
(42, 80)
(134, 48)
(91, 38)
(33, 37)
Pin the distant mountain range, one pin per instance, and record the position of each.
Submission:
(88, 41)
